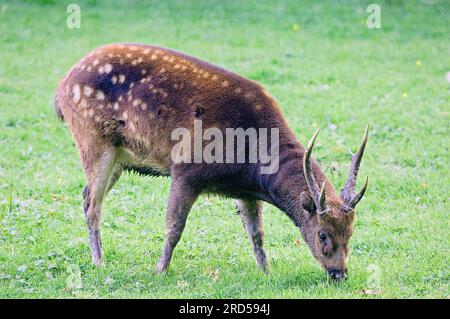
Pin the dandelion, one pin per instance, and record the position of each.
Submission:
(296, 27)
(418, 63)
(405, 94)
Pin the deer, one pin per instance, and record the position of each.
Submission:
(122, 102)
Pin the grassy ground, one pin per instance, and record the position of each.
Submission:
(324, 66)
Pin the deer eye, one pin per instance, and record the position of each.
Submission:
(322, 236)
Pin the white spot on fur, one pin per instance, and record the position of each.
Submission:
(143, 106)
(136, 102)
(116, 106)
(121, 78)
(146, 51)
(125, 115)
(153, 57)
(76, 93)
(114, 79)
(87, 90)
(91, 112)
(225, 83)
(249, 95)
(96, 61)
(100, 95)
(108, 67)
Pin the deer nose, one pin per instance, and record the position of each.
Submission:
(337, 274)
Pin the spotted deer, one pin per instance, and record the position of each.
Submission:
(121, 103)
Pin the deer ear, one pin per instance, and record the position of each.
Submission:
(307, 201)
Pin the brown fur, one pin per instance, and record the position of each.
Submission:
(121, 103)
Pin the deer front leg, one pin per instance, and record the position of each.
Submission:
(181, 199)
(251, 215)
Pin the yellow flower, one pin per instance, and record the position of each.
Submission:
(418, 63)
(296, 27)
(405, 94)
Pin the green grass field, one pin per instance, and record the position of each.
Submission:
(324, 67)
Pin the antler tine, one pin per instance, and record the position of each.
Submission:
(307, 168)
(317, 195)
(360, 194)
(348, 191)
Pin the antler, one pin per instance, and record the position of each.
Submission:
(317, 195)
(348, 191)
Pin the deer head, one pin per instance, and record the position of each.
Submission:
(330, 220)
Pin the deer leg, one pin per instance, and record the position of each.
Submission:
(181, 199)
(115, 175)
(251, 215)
(99, 168)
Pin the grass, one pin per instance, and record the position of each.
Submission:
(333, 72)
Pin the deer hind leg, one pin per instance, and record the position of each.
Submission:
(251, 215)
(181, 198)
(102, 172)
